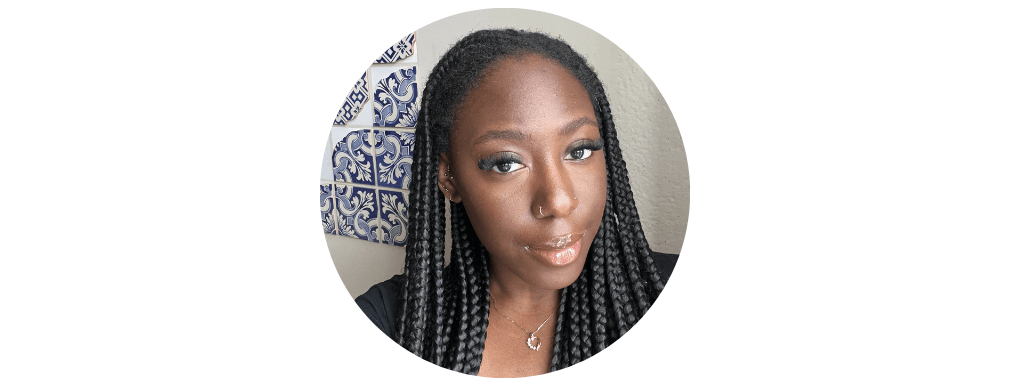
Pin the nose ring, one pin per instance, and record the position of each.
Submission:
(541, 211)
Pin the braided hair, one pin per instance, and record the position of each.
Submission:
(445, 308)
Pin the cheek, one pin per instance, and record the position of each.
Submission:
(495, 213)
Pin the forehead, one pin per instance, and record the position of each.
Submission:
(528, 93)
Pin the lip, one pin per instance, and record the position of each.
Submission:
(560, 250)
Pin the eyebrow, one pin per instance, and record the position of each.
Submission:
(577, 124)
(516, 135)
(512, 135)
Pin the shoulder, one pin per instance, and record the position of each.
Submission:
(381, 303)
(664, 263)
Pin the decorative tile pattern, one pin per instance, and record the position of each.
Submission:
(394, 156)
(372, 166)
(395, 100)
(356, 212)
(394, 206)
(399, 51)
(353, 156)
(326, 206)
(354, 102)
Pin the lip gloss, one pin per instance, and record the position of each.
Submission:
(566, 255)
(559, 257)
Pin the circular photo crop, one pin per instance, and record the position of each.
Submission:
(504, 192)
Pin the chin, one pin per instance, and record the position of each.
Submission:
(565, 276)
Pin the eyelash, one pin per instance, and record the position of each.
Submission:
(495, 162)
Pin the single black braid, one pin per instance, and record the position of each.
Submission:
(615, 282)
(584, 321)
(599, 297)
(460, 311)
(561, 332)
(437, 266)
(445, 310)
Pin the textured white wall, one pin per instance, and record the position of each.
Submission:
(648, 134)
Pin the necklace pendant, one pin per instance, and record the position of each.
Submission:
(529, 342)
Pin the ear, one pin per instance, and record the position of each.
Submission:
(446, 182)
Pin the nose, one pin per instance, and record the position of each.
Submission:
(555, 192)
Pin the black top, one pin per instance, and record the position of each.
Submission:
(381, 302)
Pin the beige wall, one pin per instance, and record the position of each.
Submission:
(648, 134)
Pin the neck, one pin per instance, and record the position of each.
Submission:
(520, 298)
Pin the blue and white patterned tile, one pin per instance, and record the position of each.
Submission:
(395, 99)
(326, 208)
(353, 155)
(327, 161)
(393, 156)
(401, 50)
(394, 206)
(356, 212)
(354, 101)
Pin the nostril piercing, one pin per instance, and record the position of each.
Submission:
(541, 211)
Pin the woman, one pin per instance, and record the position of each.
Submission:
(549, 263)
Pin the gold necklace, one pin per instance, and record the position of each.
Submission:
(532, 336)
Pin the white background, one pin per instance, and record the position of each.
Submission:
(160, 168)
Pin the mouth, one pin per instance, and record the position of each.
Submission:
(560, 250)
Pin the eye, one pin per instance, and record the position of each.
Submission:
(504, 162)
(579, 154)
(583, 149)
(505, 167)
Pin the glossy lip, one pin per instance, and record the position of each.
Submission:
(560, 250)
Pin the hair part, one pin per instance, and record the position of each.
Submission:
(445, 308)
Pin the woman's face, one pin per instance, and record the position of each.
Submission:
(526, 162)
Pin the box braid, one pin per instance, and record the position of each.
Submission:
(445, 308)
